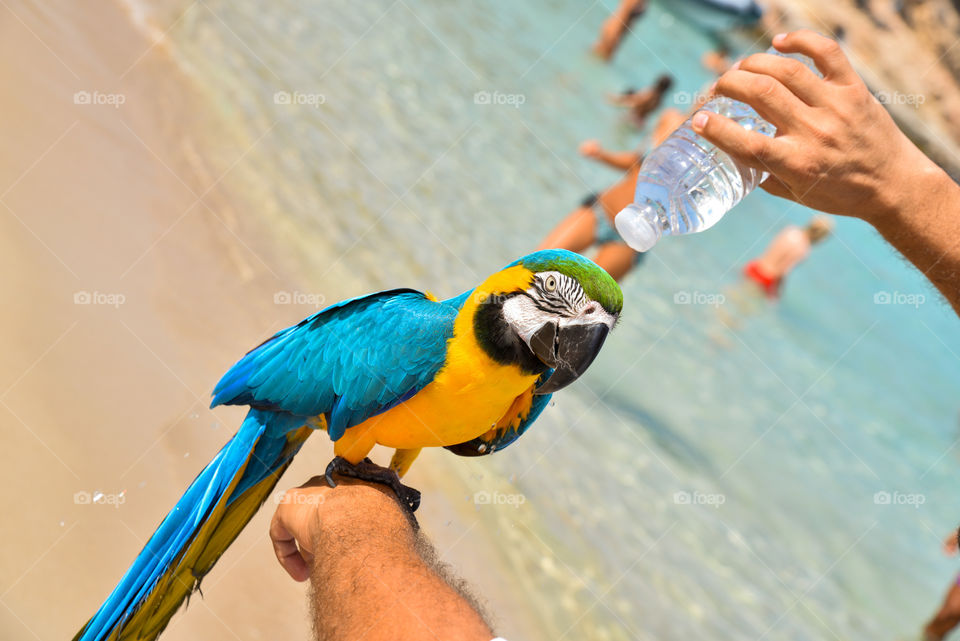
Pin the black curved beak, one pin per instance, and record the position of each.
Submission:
(568, 350)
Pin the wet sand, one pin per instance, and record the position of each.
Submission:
(131, 282)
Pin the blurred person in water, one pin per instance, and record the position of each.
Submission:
(615, 27)
(591, 224)
(948, 617)
(644, 102)
(788, 249)
(717, 61)
(764, 276)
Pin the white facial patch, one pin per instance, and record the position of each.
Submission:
(577, 307)
(524, 316)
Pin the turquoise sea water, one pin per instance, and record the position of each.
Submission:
(715, 475)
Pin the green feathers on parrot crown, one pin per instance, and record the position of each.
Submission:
(596, 283)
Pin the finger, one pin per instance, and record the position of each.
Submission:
(792, 74)
(774, 102)
(747, 147)
(286, 549)
(826, 53)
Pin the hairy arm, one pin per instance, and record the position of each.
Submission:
(372, 574)
(838, 150)
(925, 228)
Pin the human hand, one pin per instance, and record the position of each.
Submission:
(309, 512)
(590, 149)
(373, 582)
(836, 149)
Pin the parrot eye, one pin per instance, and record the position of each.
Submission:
(550, 284)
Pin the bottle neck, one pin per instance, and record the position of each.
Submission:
(639, 225)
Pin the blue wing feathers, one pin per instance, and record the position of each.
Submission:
(349, 361)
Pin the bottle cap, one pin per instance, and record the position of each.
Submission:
(637, 229)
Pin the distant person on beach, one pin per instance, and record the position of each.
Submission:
(644, 102)
(763, 277)
(864, 6)
(616, 26)
(591, 224)
(838, 150)
(717, 61)
(788, 249)
(373, 575)
(949, 615)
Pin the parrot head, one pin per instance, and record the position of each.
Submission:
(550, 310)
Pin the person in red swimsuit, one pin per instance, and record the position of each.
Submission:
(789, 248)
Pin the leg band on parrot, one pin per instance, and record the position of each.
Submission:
(373, 473)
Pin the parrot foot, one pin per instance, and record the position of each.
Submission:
(369, 471)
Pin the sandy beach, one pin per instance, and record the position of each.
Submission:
(132, 282)
(100, 208)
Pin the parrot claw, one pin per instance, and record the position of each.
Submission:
(373, 473)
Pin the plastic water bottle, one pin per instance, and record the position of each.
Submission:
(687, 184)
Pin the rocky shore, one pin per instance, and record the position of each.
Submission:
(906, 51)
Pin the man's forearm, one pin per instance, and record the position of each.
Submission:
(924, 225)
(371, 582)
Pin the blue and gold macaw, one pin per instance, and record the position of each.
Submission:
(397, 368)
